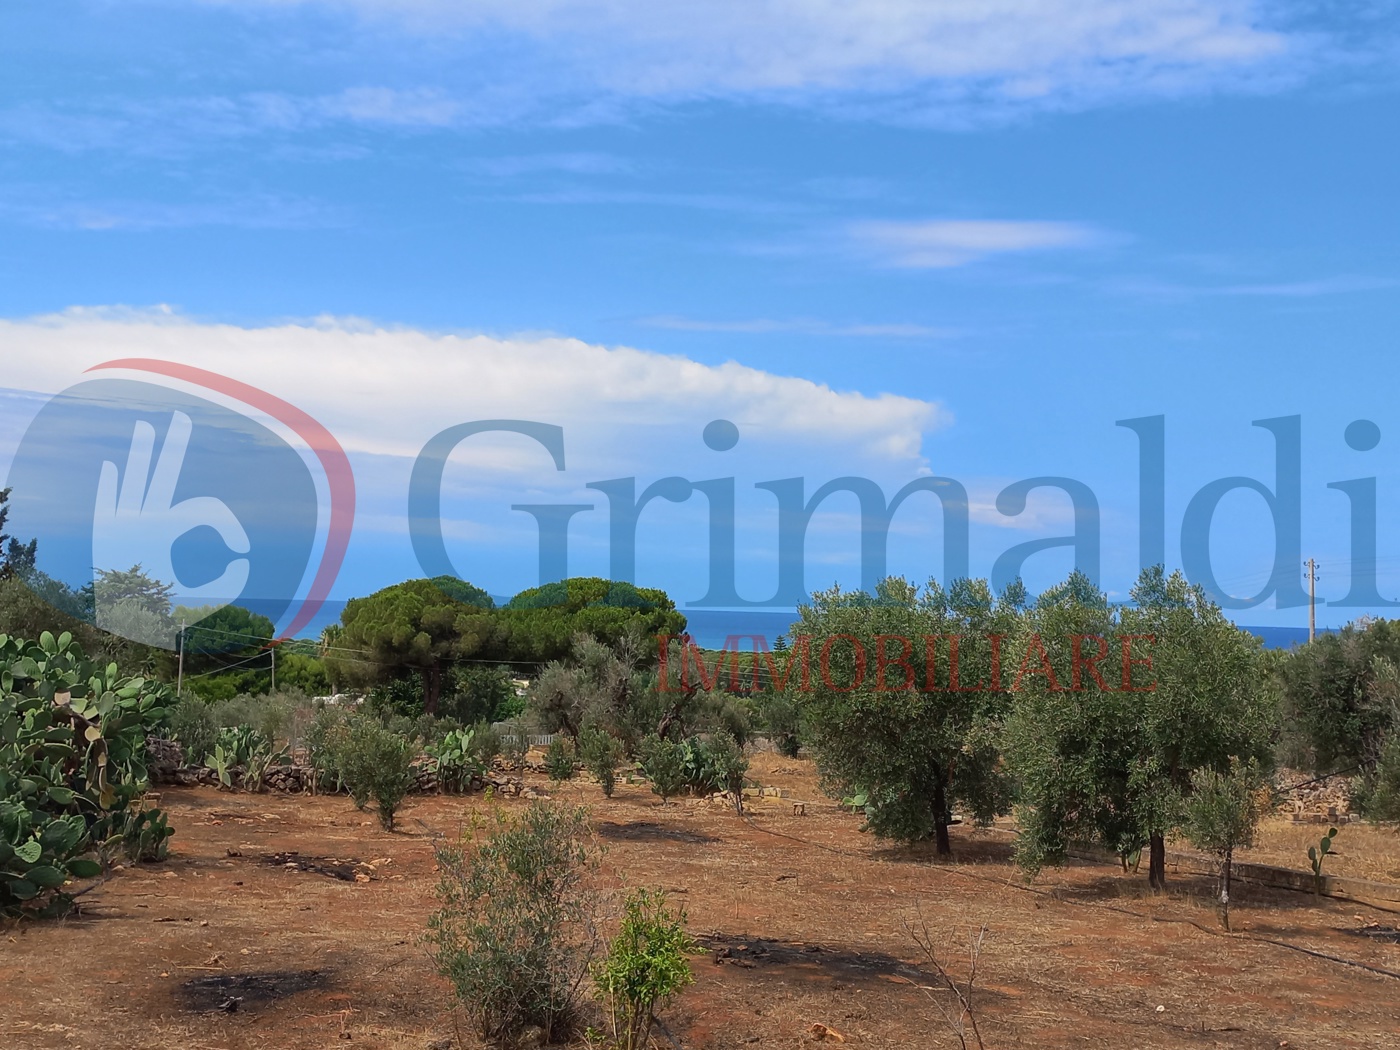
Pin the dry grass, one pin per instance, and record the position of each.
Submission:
(1361, 851)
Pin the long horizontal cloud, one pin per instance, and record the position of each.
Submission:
(1018, 48)
(385, 390)
(438, 64)
(954, 242)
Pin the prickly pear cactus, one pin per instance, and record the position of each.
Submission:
(72, 767)
(1316, 855)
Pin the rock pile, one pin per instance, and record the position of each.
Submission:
(1315, 799)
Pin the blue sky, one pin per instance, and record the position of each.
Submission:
(1022, 219)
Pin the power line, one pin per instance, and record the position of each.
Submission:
(227, 667)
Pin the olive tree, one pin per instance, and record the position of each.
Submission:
(888, 715)
(1115, 708)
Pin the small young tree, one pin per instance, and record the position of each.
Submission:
(559, 760)
(375, 764)
(647, 964)
(729, 766)
(1221, 814)
(663, 762)
(601, 753)
(781, 720)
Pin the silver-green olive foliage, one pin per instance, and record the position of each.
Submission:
(1105, 756)
(885, 714)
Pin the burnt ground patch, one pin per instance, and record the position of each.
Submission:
(342, 868)
(230, 993)
(844, 964)
(1373, 932)
(646, 831)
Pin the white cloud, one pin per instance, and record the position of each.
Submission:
(799, 326)
(386, 390)
(433, 65)
(1013, 49)
(45, 208)
(953, 242)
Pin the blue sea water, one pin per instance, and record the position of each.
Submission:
(711, 628)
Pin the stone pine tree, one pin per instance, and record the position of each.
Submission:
(885, 716)
(422, 625)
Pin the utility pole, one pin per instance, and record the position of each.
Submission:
(1312, 599)
(274, 667)
(180, 676)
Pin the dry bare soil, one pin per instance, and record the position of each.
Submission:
(259, 904)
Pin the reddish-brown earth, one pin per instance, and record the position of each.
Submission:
(807, 918)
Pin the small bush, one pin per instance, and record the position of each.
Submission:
(374, 764)
(324, 736)
(559, 760)
(727, 767)
(601, 753)
(516, 928)
(782, 721)
(663, 762)
(647, 965)
(194, 727)
(1376, 794)
(486, 744)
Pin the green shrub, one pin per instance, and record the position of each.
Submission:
(664, 764)
(781, 719)
(1376, 793)
(72, 768)
(647, 964)
(324, 736)
(726, 767)
(559, 760)
(486, 744)
(602, 754)
(713, 764)
(194, 727)
(375, 764)
(515, 929)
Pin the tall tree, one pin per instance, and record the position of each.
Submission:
(904, 700)
(421, 625)
(1125, 705)
(540, 624)
(1341, 698)
(16, 559)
